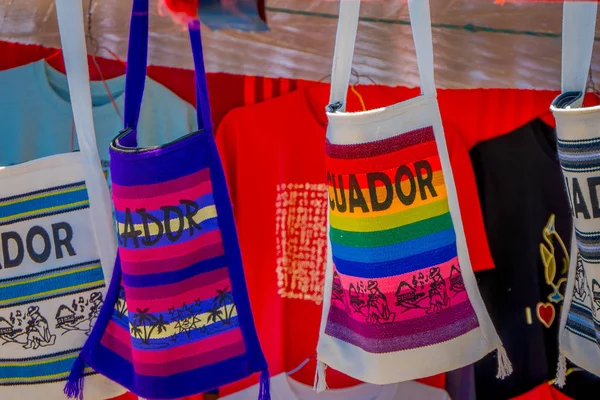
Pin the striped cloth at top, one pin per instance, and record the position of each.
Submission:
(396, 272)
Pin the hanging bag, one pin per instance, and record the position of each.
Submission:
(401, 300)
(177, 319)
(578, 132)
(57, 246)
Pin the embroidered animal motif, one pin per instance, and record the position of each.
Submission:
(549, 256)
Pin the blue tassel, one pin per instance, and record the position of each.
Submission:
(74, 387)
(265, 385)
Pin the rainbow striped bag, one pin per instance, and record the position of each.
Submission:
(177, 318)
(57, 246)
(401, 300)
(578, 131)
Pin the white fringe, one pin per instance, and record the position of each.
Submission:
(320, 378)
(504, 365)
(561, 371)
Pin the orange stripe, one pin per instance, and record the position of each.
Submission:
(382, 162)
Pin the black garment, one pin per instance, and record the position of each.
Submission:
(529, 226)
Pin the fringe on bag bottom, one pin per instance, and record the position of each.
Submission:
(561, 371)
(505, 367)
(320, 384)
(74, 386)
(265, 385)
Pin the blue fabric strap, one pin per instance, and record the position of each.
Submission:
(137, 61)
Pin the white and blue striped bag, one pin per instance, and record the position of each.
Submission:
(578, 131)
(57, 248)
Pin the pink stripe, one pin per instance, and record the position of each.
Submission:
(162, 305)
(170, 251)
(191, 363)
(171, 290)
(388, 287)
(175, 263)
(188, 350)
(158, 189)
(156, 202)
(118, 340)
(390, 284)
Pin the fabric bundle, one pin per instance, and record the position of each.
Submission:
(578, 131)
(399, 290)
(57, 247)
(177, 319)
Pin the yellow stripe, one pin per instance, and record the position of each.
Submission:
(41, 278)
(172, 329)
(44, 377)
(42, 195)
(50, 292)
(397, 205)
(42, 210)
(202, 215)
(383, 222)
(40, 362)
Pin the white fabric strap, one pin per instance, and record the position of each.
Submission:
(346, 38)
(579, 24)
(70, 24)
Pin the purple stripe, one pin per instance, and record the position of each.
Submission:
(166, 291)
(191, 363)
(161, 189)
(175, 263)
(405, 335)
(379, 147)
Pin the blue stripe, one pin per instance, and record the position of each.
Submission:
(208, 225)
(165, 278)
(395, 251)
(44, 202)
(396, 267)
(51, 368)
(203, 201)
(183, 338)
(60, 282)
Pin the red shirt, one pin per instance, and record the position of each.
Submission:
(274, 157)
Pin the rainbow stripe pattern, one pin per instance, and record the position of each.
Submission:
(177, 319)
(397, 283)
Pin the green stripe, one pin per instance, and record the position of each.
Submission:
(392, 236)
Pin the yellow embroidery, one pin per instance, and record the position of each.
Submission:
(547, 253)
(545, 313)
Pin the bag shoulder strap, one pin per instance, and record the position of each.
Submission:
(137, 61)
(72, 36)
(579, 24)
(346, 37)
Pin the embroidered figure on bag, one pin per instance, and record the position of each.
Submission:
(38, 330)
(581, 288)
(378, 311)
(457, 283)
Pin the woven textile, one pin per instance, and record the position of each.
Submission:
(177, 318)
(396, 270)
(579, 155)
(56, 249)
(399, 286)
